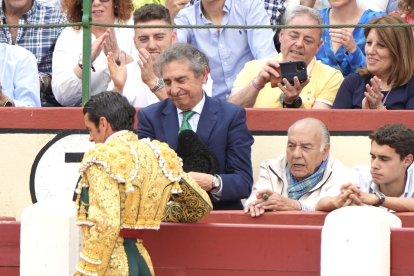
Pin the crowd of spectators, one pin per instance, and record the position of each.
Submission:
(377, 69)
(242, 61)
(201, 80)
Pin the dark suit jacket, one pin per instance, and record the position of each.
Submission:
(222, 127)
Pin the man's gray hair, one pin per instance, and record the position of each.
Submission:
(183, 52)
(325, 135)
(301, 10)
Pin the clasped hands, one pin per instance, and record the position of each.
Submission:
(290, 92)
(351, 195)
(107, 43)
(275, 202)
(373, 96)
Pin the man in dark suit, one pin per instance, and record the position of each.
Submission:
(219, 124)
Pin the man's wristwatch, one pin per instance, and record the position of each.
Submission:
(45, 83)
(297, 103)
(9, 102)
(381, 197)
(216, 182)
(158, 85)
(118, 61)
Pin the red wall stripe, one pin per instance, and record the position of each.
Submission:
(257, 119)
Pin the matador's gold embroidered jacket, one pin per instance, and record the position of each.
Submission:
(127, 183)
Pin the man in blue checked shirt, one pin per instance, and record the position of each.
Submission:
(228, 50)
(40, 41)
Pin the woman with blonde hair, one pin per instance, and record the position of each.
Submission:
(67, 57)
(386, 81)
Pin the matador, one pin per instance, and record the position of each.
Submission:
(126, 187)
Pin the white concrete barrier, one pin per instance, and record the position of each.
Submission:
(50, 240)
(356, 241)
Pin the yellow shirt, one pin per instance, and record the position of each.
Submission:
(323, 86)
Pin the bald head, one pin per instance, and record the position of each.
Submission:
(313, 125)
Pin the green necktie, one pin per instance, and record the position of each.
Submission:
(185, 124)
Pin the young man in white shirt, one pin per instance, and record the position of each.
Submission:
(141, 83)
(388, 182)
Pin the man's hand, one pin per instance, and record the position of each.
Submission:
(118, 73)
(174, 6)
(3, 97)
(349, 196)
(266, 71)
(205, 181)
(344, 36)
(369, 199)
(291, 92)
(274, 202)
(48, 90)
(147, 68)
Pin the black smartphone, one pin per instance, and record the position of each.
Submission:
(288, 70)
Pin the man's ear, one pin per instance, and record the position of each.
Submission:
(326, 151)
(135, 43)
(408, 160)
(103, 124)
(205, 74)
(282, 31)
(174, 37)
(320, 44)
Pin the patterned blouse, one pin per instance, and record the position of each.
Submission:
(341, 60)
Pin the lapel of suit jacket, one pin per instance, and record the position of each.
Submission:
(208, 118)
(170, 124)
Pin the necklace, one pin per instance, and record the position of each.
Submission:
(386, 96)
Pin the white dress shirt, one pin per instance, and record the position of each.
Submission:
(67, 87)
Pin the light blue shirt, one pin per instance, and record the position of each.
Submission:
(19, 75)
(228, 50)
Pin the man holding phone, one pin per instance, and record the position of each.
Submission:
(252, 87)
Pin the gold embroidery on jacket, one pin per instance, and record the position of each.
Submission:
(127, 183)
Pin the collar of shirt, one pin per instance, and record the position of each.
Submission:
(116, 134)
(196, 117)
(32, 11)
(226, 9)
(408, 190)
